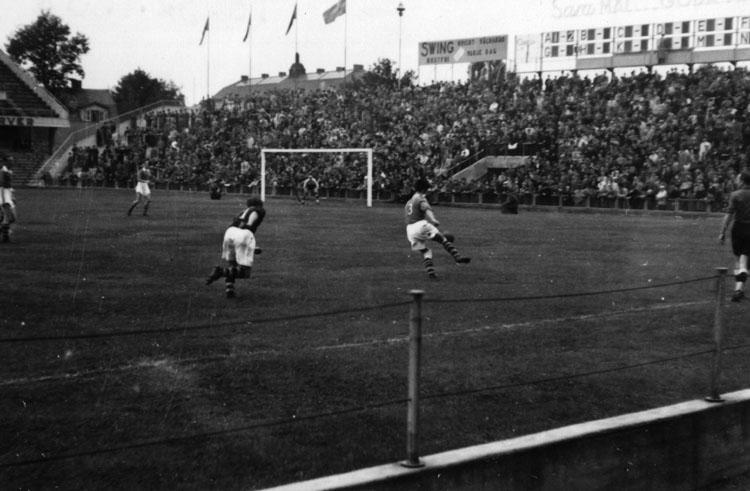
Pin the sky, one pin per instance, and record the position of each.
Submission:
(161, 37)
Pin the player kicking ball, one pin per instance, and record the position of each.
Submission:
(421, 226)
(238, 247)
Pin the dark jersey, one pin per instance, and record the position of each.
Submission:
(5, 178)
(144, 175)
(240, 221)
(416, 209)
(739, 205)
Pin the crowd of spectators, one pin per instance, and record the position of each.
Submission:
(684, 132)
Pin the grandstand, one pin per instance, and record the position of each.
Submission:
(602, 141)
(29, 119)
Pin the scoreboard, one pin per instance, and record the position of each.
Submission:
(723, 32)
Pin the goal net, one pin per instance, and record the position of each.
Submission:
(367, 151)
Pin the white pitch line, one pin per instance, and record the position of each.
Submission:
(163, 363)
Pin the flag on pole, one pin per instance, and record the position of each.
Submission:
(205, 29)
(291, 21)
(339, 8)
(249, 21)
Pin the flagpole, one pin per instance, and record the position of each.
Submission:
(208, 61)
(346, 24)
(250, 47)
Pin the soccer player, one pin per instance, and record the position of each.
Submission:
(7, 201)
(142, 190)
(310, 187)
(421, 226)
(238, 247)
(738, 214)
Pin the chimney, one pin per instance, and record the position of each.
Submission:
(339, 69)
(359, 68)
(282, 74)
(264, 75)
(75, 84)
(320, 71)
(244, 78)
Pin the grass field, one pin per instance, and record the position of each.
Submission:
(121, 370)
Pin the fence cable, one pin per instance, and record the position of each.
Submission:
(344, 411)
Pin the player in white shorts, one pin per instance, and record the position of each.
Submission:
(142, 189)
(421, 226)
(239, 247)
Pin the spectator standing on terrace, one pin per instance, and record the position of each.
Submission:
(421, 226)
(738, 215)
(142, 190)
(6, 200)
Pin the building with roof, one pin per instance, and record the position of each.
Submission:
(88, 108)
(297, 78)
(30, 118)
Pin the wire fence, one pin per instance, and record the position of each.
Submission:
(415, 395)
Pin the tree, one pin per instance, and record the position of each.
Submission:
(139, 89)
(47, 50)
(384, 73)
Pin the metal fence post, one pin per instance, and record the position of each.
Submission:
(415, 348)
(718, 337)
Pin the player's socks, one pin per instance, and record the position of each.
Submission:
(5, 232)
(448, 246)
(130, 210)
(229, 282)
(145, 209)
(429, 267)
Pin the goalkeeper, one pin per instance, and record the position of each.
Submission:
(421, 226)
(238, 247)
(310, 188)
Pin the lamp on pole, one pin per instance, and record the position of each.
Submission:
(400, 10)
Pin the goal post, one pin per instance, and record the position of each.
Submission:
(264, 151)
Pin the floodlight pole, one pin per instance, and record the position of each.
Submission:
(714, 395)
(412, 414)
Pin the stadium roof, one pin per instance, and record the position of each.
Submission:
(319, 79)
(25, 99)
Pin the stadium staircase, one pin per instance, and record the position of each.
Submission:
(85, 137)
(475, 167)
(25, 167)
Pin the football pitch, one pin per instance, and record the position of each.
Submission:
(122, 370)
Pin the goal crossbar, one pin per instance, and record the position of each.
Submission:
(264, 151)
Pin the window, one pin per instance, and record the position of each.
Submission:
(93, 115)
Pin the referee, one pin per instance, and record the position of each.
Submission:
(738, 213)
